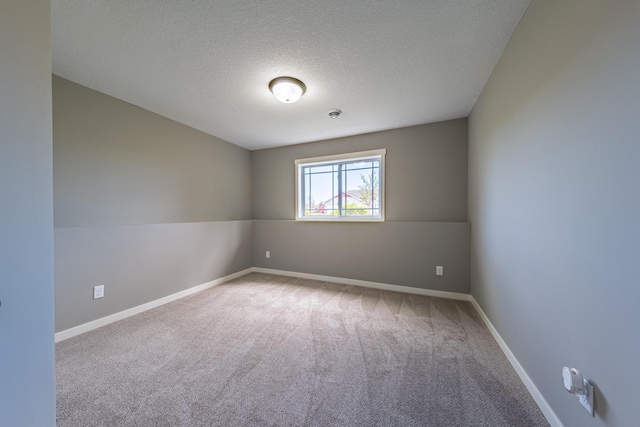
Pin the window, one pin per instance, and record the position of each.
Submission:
(345, 187)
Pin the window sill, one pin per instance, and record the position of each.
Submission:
(339, 220)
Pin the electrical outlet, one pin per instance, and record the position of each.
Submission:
(267, 254)
(587, 400)
(98, 291)
(439, 270)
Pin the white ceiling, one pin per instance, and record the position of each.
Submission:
(207, 64)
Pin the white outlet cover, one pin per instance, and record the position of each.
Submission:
(587, 401)
(98, 291)
(439, 270)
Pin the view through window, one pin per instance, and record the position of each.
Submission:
(346, 187)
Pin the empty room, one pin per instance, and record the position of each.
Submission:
(400, 213)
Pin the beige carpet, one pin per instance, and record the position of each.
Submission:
(267, 350)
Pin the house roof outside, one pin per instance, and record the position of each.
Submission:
(351, 198)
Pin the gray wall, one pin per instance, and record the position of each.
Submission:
(426, 212)
(554, 202)
(118, 164)
(142, 204)
(426, 169)
(27, 372)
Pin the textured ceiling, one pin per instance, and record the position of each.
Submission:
(207, 64)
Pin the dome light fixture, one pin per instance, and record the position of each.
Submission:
(287, 89)
(334, 114)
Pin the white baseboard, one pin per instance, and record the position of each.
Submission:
(551, 416)
(94, 324)
(366, 284)
(89, 326)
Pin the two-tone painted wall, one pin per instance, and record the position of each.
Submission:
(425, 222)
(143, 205)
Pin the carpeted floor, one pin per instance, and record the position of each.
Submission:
(268, 350)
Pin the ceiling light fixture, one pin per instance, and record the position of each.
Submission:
(287, 89)
(334, 114)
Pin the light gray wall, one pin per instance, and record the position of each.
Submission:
(142, 263)
(27, 369)
(397, 253)
(554, 201)
(426, 211)
(143, 205)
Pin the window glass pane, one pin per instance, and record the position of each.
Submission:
(321, 189)
(361, 188)
(320, 169)
(346, 188)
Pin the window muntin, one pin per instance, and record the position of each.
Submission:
(346, 187)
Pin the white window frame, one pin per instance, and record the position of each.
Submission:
(361, 155)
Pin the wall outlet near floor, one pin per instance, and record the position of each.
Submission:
(267, 254)
(587, 400)
(439, 270)
(98, 291)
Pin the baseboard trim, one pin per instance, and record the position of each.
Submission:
(94, 324)
(542, 403)
(366, 284)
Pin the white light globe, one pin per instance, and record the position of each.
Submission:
(287, 89)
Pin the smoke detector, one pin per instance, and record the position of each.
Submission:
(334, 114)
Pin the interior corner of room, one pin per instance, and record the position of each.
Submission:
(530, 203)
